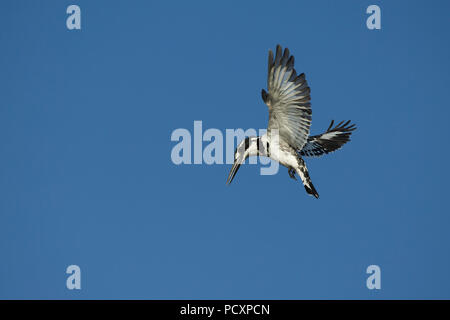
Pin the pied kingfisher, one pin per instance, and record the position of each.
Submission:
(287, 138)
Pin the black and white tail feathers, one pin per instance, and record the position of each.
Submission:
(333, 139)
(304, 175)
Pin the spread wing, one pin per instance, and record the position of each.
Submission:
(288, 100)
(332, 140)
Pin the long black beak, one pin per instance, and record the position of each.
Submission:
(233, 171)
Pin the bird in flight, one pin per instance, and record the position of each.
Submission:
(287, 139)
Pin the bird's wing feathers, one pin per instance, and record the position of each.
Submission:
(288, 99)
(333, 139)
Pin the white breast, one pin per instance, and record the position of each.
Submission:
(283, 154)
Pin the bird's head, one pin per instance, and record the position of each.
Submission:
(248, 147)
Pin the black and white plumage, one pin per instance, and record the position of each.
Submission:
(333, 139)
(287, 139)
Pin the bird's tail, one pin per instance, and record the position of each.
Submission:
(304, 175)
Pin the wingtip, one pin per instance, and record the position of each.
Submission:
(264, 95)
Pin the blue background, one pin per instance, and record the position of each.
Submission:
(86, 176)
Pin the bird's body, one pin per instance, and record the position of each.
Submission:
(284, 153)
(287, 138)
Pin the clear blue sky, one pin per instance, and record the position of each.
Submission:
(86, 176)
